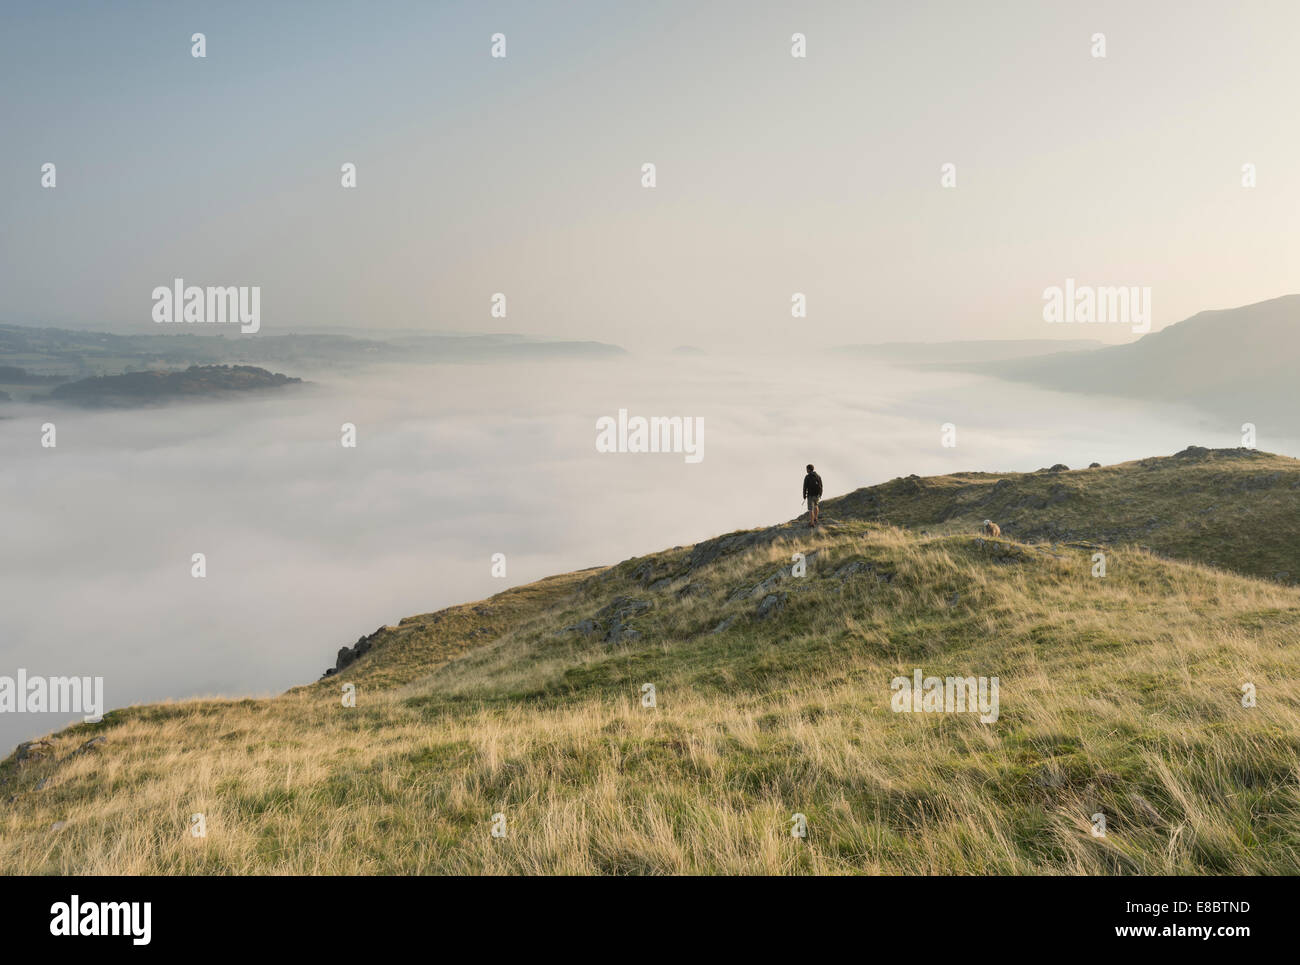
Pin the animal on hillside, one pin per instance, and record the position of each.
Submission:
(991, 528)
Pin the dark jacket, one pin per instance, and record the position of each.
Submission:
(812, 486)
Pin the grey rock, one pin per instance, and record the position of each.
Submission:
(616, 616)
(620, 633)
(772, 604)
(623, 608)
(37, 750)
(713, 549)
(853, 568)
(350, 655)
(763, 588)
(93, 744)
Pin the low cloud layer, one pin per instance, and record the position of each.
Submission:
(309, 545)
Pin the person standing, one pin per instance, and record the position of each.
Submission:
(812, 491)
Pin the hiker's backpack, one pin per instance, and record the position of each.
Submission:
(815, 486)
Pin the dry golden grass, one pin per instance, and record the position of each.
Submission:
(1119, 695)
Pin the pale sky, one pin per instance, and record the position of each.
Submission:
(522, 175)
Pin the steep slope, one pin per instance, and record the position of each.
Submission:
(1119, 695)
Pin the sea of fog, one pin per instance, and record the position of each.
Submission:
(310, 544)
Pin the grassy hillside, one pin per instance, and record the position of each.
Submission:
(1119, 695)
(1234, 508)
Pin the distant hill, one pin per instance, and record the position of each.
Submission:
(143, 388)
(15, 375)
(773, 676)
(974, 350)
(1236, 362)
(73, 354)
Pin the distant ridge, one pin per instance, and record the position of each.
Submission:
(144, 388)
(75, 354)
(1236, 362)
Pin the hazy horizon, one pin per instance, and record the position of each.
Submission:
(776, 174)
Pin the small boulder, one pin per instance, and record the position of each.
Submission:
(642, 572)
(772, 604)
(616, 616)
(623, 608)
(621, 632)
(37, 750)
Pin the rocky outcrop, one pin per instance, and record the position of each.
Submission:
(29, 752)
(712, 550)
(772, 604)
(617, 615)
(613, 621)
(94, 744)
(350, 655)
